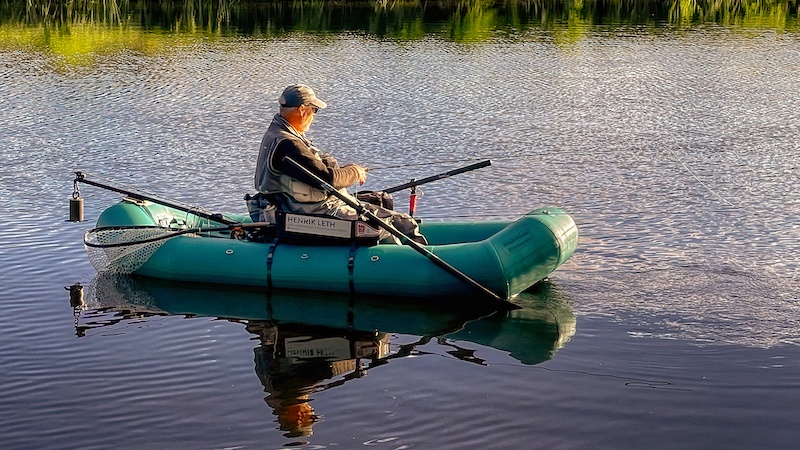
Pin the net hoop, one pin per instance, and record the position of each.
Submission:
(123, 250)
(94, 237)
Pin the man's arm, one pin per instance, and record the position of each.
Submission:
(338, 177)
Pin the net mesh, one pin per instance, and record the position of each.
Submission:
(119, 292)
(122, 250)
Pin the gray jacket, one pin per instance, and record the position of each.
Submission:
(271, 177)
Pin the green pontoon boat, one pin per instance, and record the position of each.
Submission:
(506, 257)
(498, 259)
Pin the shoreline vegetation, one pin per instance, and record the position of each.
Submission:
(75, 32)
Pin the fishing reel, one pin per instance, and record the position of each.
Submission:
(238, 233)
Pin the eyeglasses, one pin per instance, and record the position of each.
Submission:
(314, 108)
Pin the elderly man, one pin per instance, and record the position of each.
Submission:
(290, 189)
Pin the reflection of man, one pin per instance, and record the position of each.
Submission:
(291, 364)
(288, 392)
(295, 415)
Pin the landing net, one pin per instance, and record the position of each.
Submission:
(122, 250)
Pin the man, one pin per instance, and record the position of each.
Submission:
(291, 189)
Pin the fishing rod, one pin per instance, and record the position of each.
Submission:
(427, 163)
(76, 202)
(440, 176)
(503, 157)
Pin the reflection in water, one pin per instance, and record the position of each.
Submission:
(308, 343)
(295, 360)
(405, 19)
(79, 30)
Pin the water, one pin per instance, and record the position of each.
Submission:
(673, 326)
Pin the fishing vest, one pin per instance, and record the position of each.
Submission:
(269, 180)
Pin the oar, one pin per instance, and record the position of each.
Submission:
(135, 193)
(440, 176)
(398, 234)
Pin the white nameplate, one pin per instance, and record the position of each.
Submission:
(321, 226)
(307, 347)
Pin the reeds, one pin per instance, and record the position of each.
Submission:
(472, 16)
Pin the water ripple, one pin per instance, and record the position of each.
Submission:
(675, 152)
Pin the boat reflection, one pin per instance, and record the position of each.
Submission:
(311, 342)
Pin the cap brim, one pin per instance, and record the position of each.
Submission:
(319, 103)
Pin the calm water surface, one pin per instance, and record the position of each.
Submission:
(675, 324)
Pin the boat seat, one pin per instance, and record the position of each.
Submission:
(309, 229)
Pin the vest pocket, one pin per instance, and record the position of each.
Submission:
(302, 192)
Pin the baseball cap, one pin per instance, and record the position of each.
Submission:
(300, 94)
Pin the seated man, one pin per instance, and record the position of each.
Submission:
(291, 189)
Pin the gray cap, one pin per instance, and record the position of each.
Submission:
(300, 94)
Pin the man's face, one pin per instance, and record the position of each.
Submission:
(307, 113)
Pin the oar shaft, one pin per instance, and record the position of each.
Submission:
(81, 177)
(397, 233)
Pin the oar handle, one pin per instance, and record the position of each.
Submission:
(397, 233)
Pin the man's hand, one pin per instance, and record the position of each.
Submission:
(362, 173)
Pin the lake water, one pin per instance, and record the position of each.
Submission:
(676, 324)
